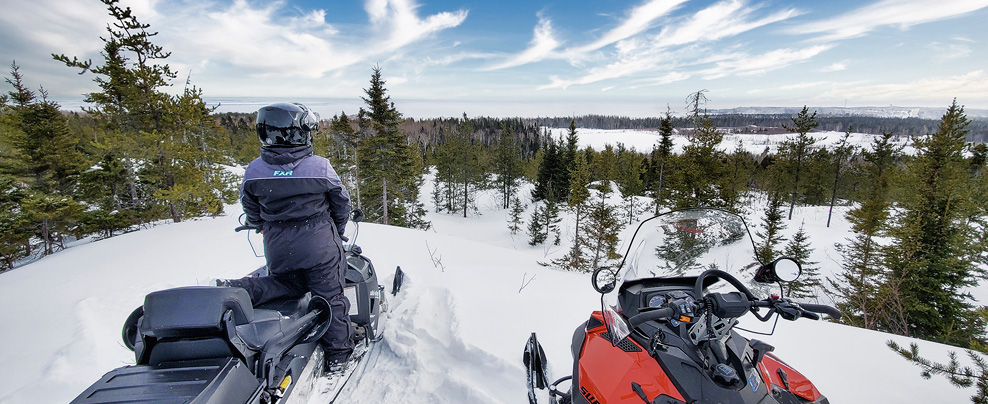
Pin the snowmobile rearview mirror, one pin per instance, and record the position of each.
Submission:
(781, 270)
(357, 215)
(603, 280)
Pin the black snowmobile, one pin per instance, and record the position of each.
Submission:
(207, 344)
(665, 333)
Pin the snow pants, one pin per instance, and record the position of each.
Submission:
(306, 256)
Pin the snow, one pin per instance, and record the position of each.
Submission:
(642, 140)
(473, 293)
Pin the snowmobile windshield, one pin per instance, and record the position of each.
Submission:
(681, 243)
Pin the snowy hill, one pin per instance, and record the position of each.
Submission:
(455, 332)
(473, 293)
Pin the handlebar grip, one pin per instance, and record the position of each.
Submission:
(820, 308)
(242, 228)
(657, 314)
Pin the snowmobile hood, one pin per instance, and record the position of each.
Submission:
(284, 155)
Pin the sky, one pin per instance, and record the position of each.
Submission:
(530, 58)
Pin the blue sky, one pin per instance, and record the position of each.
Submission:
(534, 58)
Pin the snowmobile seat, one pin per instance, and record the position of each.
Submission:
(194, 311)
(196, 322)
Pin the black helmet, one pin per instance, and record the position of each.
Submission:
(285, 124)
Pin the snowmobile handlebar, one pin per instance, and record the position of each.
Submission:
(652, 315)
(823, 309)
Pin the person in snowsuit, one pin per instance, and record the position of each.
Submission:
(298, 202)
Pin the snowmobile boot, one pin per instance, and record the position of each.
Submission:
(336, 362)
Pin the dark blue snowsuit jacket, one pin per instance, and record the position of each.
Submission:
(300, 203)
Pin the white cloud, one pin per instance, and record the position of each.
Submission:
(400, 18)
(721, 20)
(543, 44)
(972, 86)
(748, 65)
(836, 67)
(258, 38)
(639, 19)
(949, 51)
(897, 13)
(670, 48)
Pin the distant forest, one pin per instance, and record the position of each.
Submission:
(745, 123)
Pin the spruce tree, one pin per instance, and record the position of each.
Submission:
(537, 228)
(770, 233)
(799, 249)
(162, 140)
(601, 229)
(841, 154)
(794, 151)
(514, 216)
(661, 156)
(15, 229)
(630, 172)
(700, 180)
(549, 172)
(507, 165)
(389, 167)
(576, 258)
(934, 256)
(856, 287)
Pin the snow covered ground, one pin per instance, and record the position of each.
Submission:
(642, 140)
(473, 293)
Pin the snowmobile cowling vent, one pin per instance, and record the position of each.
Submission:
(194, 310)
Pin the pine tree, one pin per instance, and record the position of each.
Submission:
(795, 150)
(507, 165)
(601, 229)
(842, 154)
(576, 259)
(459, 164)
(630, 172)
(567, 161)
(537, 233)
(770, 233)
(799, 249)
(390, 168)
(661, 156)
(15, 228)
(933, 256)
(162, 140)
(549, 172)
(701, 176)
(514, 218)
(856, 287)
(342, 152)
